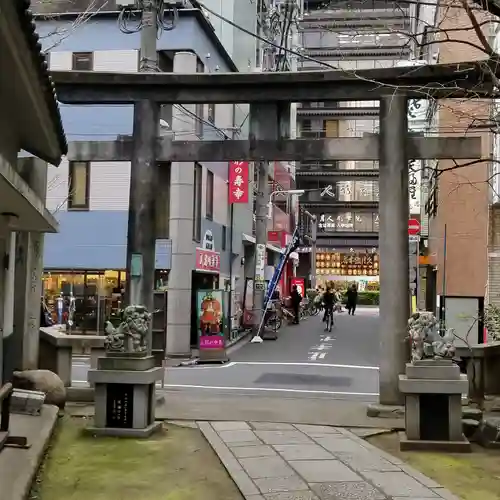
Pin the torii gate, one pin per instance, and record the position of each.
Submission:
(269, 96)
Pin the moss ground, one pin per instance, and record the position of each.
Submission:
(177, 464)
(472, 476)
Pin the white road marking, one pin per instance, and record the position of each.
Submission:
(270, 389)
(313, 356)
(321, 347)
(326, 338)
(322, 355)
(323, 365)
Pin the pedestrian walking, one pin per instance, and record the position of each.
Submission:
(352, 299)
(296, 299)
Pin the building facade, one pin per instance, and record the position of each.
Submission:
(461, 205)
(363, 36)
(90, 199)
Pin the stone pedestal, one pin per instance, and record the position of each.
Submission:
(433, 406)
(125, 395)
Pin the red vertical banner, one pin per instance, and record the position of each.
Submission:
(238, 182)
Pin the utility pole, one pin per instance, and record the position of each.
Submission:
(314, 239)
(141, 239)
(261, 209)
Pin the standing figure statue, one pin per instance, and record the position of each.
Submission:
(131, 334)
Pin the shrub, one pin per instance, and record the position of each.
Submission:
(367, 298)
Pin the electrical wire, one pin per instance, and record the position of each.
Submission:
(166, 19)
(265, 40)
(130, 19)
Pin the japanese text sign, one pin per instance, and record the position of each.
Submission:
(212, 342)
(238, 182)
(206, 260)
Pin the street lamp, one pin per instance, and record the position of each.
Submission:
(290, 192)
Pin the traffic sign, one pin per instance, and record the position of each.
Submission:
(413, 226)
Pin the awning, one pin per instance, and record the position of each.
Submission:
(20, 200)
(251, 239)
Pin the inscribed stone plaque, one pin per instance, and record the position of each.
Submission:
(119, 406)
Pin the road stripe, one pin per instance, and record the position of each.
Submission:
(269, 389)
(325, 365)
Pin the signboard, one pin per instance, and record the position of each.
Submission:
(208, 240)
(417, 122)
(260, 262)
(163, 254)
(347, 264)
(210, 325)
(348, 222)
(300, 284)
(207, 260)
(413, 227)
(328, 191)
(238, 182)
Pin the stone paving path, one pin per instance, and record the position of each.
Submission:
(274, 461)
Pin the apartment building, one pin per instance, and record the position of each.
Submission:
(365, 35)
(90, 199)
(462, 203)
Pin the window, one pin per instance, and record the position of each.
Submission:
(198, 172)
(83, 61)
(211, 113)
(209, 199)
(78, 185)
(331, 128)
(224, 237)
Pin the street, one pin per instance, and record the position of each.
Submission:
(304, 362)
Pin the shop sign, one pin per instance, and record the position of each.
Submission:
(299, 283)
(328, 191)
(208, 240)
(210, 314)
(238, 182)
(207, 260)
(260, 262)
(338, 222)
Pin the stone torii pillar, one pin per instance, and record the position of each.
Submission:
(393, 245)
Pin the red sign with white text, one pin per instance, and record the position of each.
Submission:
(238, 182)
(206, 260)
(299, 283)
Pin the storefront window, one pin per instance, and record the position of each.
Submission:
(98, 297)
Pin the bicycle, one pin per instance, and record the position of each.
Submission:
(329, 321)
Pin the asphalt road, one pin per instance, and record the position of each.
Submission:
(304, 362)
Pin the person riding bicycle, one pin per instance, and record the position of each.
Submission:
(328, 303)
